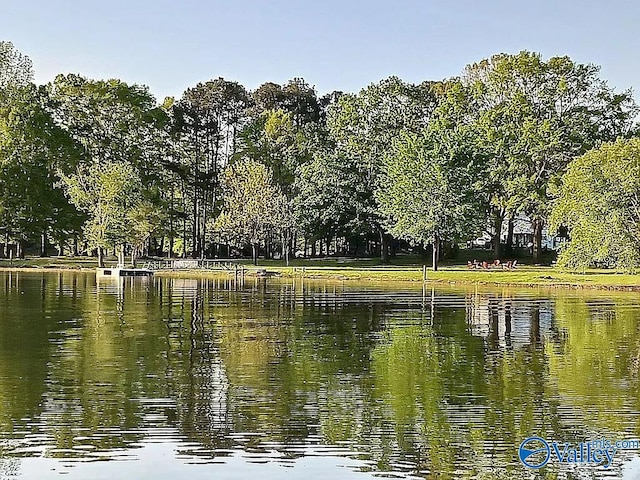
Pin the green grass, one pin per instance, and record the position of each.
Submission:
(521, 276)
(404, 269)
(75, 263)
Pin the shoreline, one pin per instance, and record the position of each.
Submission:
(523, 277)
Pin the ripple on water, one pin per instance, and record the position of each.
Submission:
(194, 378)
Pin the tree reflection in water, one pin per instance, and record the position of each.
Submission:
(445, 382)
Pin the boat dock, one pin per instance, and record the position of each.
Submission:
(192, 264)
(123, 272)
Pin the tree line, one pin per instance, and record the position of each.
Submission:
(99, 166)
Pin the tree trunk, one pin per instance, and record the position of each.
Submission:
(435, 253)
(43, 244)
(6, 245)
(286, 254)
(313, 248)
(286, 245)
(268, 254)
(393, 247)
(497, 226)
(195, 231)
(510, 237)
(120, 253)
(384, 247)
(100, 258)
(171, 210)
(293, 241)
(537, 240)
(184, 238)
(203, 231)
(75, 245)
(254, 249)
(133, 258)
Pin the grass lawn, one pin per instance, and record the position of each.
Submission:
(75, 263)
(404, 269)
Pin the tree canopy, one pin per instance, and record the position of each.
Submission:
(426, 191)
(281, 168)
(253, 205)
(599, 202)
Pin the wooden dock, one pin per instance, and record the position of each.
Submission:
(189, 264)
(123, 272)
(233, 268)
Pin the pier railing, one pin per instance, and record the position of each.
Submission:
(191, 264)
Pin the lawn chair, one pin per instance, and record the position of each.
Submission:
(510, 265)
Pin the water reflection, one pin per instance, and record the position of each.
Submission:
(224, 374)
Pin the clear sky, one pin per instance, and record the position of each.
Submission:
(345, 45)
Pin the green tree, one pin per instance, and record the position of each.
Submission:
(288, 125)
(32, 148)
(112, 120)
(296, 97)
(533, 117)
(426, 191)
(274, 140)
(108, 193)
(208, 120)
(253, 205)
(362, 128)
(122, 132)
(324, 197)
(598, 200)
(16, 69)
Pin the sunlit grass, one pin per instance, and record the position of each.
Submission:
(403, 269)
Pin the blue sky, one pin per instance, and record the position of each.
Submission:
(335, 45)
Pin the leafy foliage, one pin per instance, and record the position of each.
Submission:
(107, 193)
(253, 205)
(120, 130)
(599, 201)
(532, 118)
(428, 162)
(32, 148)
(426, 191)
(16, 69)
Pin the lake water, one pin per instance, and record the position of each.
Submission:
(200, 379)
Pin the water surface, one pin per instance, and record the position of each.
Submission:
(171, 378)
